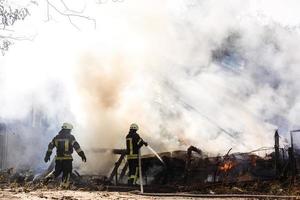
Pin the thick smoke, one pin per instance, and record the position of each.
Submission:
(213, 74)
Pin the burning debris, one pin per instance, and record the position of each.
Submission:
(227, 166)
(194, 170)
(262, 171)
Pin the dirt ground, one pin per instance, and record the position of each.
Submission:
(78, 195)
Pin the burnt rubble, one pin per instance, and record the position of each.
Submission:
(271, 170)
(263, 171)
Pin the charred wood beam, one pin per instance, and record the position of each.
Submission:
(189, 159)
(123, 172)
(292, 159)
(226, 155)
(105, 150)
(114, 173)
(292, 164)
(122, 153)
(119, 151)
(277, 159)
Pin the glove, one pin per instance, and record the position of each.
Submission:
(145, 143)
(83, 158)
(47, 158)
(81, 154)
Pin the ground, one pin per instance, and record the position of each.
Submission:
(78, 195)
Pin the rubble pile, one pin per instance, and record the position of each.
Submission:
(206, 175)
(272, 172)
(26, 181)
(184, 168)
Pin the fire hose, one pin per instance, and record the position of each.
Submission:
(156, 154)
(140, 166)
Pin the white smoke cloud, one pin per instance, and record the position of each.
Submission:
(214, 74)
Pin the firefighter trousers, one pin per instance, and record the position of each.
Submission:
(65, 167)
(133, 165)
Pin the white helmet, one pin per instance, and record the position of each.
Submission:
(134, 127)
(67, 126)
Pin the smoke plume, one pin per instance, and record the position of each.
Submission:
(213, 74)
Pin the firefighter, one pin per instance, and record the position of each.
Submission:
(64, 143)
(133, 143)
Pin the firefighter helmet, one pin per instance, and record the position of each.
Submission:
(67, 126)
(134, 127)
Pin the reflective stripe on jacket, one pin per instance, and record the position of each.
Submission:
(64, 143)
(133, 143)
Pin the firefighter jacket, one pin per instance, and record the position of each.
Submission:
(64, 143)
(133, 143)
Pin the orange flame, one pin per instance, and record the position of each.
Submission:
(228, 165)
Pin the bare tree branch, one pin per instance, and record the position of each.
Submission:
(69, 13)
(74, 11)
(8, 17)
(105, 1)
(4, 45)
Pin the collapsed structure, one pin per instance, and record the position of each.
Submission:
(193, 166)
(188, 169)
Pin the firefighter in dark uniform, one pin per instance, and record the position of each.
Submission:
(64, 143)
(133, 144)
